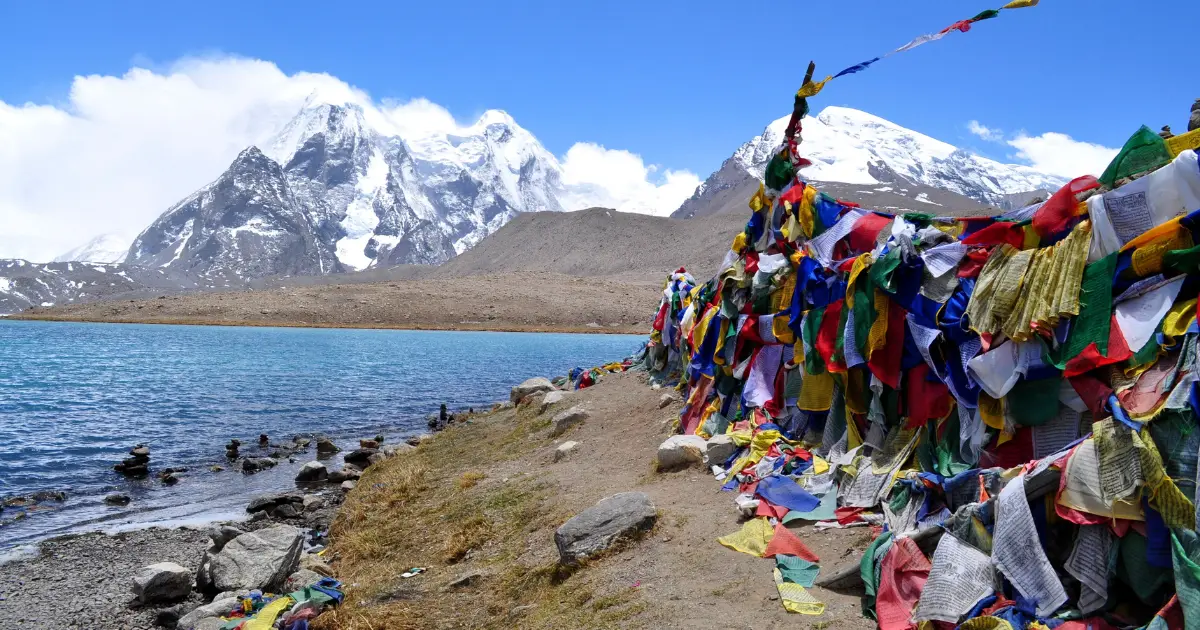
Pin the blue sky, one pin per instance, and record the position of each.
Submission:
(657, 94)
(681, 83)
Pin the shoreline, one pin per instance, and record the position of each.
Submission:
(461, 327)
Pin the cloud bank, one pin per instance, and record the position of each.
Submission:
(1051, 152)
(122, 149)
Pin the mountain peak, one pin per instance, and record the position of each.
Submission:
(105, 248)
(495, 117)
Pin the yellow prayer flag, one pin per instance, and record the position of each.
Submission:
(812, 89)
(1183, 142)
(1020, 4)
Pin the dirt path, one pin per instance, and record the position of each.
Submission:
(676, 577)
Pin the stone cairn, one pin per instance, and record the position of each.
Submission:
(137, 464)
(231, 449)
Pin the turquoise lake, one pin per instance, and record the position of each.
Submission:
(75, 397)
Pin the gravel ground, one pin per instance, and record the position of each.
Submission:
(84, 581)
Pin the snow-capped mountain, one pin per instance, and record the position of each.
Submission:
(106, 248)
(25, 284)
(849, 146)
(334, 192)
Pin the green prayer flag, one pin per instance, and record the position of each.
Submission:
(797, 570)
(1143, 151)
(779, 172)
(1034, 403)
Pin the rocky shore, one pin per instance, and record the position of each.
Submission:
(186, 577)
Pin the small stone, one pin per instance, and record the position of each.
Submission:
(467, 579)
(325, 445)
(255, 464)
(117, 499)
(368, 444)
(269, 501)
(680, 451)
(392, 450)
(375, 459)
(314, 563)
(718, 449)
(167, 617)
(169, 479)
(600, 526)
(567, 419)
(347, 473)
(347, 486)
(360, 457)
(550, 399)
(140, 451)
(285, 511)
(217, 468)
(300, 579)
(666, 400)
(565, 449)
(312, 471)
(313, 502)
(162, 583)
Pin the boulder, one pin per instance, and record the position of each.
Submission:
(537, 385)
(681, 451)
(300, 579)
(550, 399)
(718, 449)
(257, 560)
(325, 445)
(600, 526)
(269, 501)
(392, 450)
(117, 499)
(255, 464)
(565, 449)
(221, 535)
(219, 606)
(360, 457)
(347, 473)
(162, 583)
(666, 400)
(567, 419)
(312, 471)
(285, 511)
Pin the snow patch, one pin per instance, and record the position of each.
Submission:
(923, 197)
(360, 220)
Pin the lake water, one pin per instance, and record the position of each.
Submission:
(74, 398)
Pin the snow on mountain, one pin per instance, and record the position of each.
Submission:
(334, 191)
(106, 248)
(853, 147)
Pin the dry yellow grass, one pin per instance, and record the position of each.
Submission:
(433, 508)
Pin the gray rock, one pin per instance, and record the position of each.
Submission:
(285, 511)
(392, 450)
(375, 459)
(465, 580)
(1194, 120)
(312, 471)
(314, 563)
(300, 579)
(325, 445)
(269, 501)
(219, 606)
(117, 499)
(313, 502)
(567, 419)
(347, 473)
(681, 451)
(565, 449)
(598, 527)
(221, 535)
(210, 623)
(550, 399)
(162, 583)
(537, 385)
(718, 449)
(666, 400)
(167, 617)
(347, 486)
(262, 559)
(255, 464)
(360, 457)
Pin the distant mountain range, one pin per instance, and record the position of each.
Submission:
(332, 193)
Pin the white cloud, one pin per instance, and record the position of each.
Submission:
(1062, 155)
(613, 178)
(987, 133)
(123, 149)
